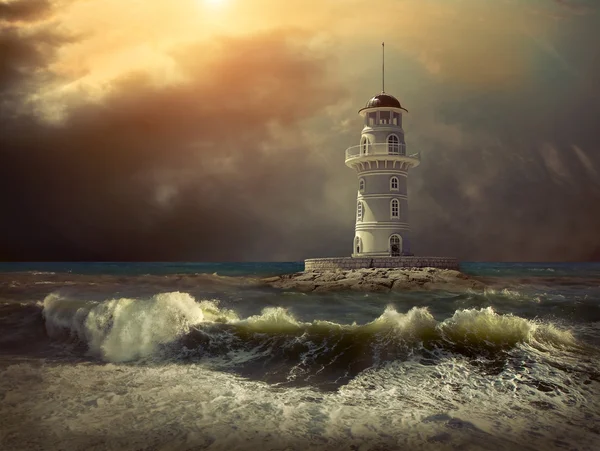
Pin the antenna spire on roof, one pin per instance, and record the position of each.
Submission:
(383, 67)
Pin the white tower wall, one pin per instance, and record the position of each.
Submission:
(382, 228)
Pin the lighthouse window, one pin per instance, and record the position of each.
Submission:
(393, 144)
(361, 185)
(372, 118)
(396, 118)
(359, 211)
(394, 184)
(384, 117)
(395, 208)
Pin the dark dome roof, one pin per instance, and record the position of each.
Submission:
(383, 100)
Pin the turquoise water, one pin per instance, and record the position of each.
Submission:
(156, 268)
(276, 268)
(169, 356)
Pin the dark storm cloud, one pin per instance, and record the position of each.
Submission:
(577, 6)
(13, 11)
(519, 181)
(22, 53)
(172, 172)
(195, 171)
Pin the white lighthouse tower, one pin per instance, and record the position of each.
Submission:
(382, 164)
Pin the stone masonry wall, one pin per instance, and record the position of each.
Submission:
(332, 264)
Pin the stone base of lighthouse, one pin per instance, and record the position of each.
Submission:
(345, 263)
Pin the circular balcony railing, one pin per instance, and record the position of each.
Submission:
(388, 149)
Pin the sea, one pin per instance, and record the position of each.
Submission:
(202, 356)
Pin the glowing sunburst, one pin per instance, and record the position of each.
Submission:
(214, 2)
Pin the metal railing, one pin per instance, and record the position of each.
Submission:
(365, 150)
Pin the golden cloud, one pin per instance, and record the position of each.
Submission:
(467, 41)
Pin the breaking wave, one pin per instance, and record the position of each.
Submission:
(123, 329)
(281, 347)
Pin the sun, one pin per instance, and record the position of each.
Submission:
(214, 2)
(213, 5)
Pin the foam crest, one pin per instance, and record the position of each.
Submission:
(417, 322)
(472, 326)
(65, 314)
(212, 312)
(127, 329)
(272, 320)
(124, 329)
(549, 333)
(504, 292)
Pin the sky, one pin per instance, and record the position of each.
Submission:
(215, 130)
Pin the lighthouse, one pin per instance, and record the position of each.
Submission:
(381, 161)
(382, 164)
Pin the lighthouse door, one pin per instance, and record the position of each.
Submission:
(395, 248)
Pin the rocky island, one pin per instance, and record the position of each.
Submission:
(375, 280)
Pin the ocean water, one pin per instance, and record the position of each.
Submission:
(190, 356)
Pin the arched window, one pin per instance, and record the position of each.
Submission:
(395, 246)
(364, 146)
(359, 211)
(394, 184)
(393, 144)
(357, 245)
(361, 185)
(395, 208)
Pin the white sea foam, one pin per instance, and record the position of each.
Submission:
(415, 322)
(127, 329)
(485, 324)
(272, 319)
(404, 405)
(124, 329)
(399, 404)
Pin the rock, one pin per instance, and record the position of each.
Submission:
(401, 285)
(338, 285)
(384, 281)
(307, 276)
(420, 277)
(398, 275)
(353, 274)
(302, 286)
(375, 280)
(369, 287)
(328, 277)
(305, 286)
